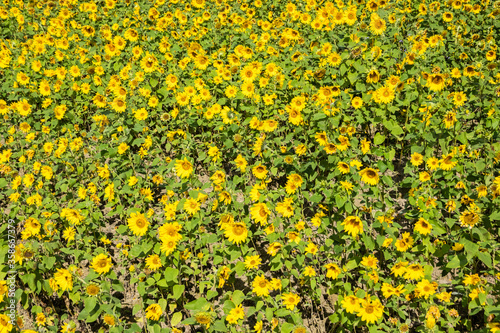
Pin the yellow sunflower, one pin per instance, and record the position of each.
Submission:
(183, 168)
(353, 225)
(101, 263)
(369, 176)
(138, 223)
(237, 232)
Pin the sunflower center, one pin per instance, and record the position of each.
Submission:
(369, 309)
(238, 230)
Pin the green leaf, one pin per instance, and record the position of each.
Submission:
(90, 303)
(379, 138)
(393, 127)
(178, 290)
(200, 304)
(176, 319)
(485, 257)
(471, 249)
(282, 312)
(316, 198)
(495, 216)
(237, 297)
(171, 274)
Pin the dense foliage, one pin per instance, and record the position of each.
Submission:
(251, 166)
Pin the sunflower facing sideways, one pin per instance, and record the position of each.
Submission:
(353, 225)
(369, 176)
(183, 168)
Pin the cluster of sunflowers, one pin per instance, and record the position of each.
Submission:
(235, 165)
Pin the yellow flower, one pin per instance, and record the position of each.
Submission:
(353, 225)
(309, 271)
(154, 312)
(138, 223)
(101, 263)
(311, 248)
(64, 279)
(183, 168)
(236, 232)
(371, 310)
(153, 262)
(141, 114)
(351, 304)
(369, 176)
(259, 171)
(423, 227)
(290, 300)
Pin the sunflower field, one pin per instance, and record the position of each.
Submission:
(249, 166)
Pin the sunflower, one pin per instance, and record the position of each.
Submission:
(333, 270)
(235, 314)
(447, 16)
(446, 162)
(170, 231)
(369, 176)
(385, 95)
(138, 223)
(252, 262)
(377, 25)
(351, 304)
(423, 227)
(459, 98)
(449, 119)
(425, 288)
(109, 319)
(353, 225)
(237, 232)
(183, 168)
(416, 159)
(154, 312)
(491, 55)
(203, 318)
(92, 289)
(414, 272)
(247, 89)
(290, 300)
(249, 73)
(274, 247)
(259, 171)
(261, 286)
(63, 279)
(469, 219)
(373, 76)
(330, 148)
(101, 263)
(168, 246)
(259, 212)
(436, 82)
(191, 206)
(343, 167)
(357, 102)
(371, 310)
(153, 262)
(404, 243)
(370, 262)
